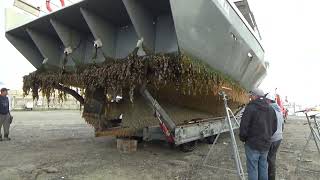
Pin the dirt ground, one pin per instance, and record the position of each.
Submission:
(59, 145)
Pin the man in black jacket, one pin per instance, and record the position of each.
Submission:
(5, 117)
(258, 124)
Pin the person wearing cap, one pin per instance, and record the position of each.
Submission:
(258, 124)
(5, 116)
(276, 137)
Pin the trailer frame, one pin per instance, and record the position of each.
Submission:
(185, 133)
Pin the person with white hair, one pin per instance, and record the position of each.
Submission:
(258, 124)
(276, 137)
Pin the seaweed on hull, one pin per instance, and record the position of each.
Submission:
(174, 79)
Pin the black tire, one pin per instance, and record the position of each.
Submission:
(189, 146)
(171, 145)
(211, 139)
(139, 139)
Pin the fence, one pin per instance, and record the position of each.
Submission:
(18, 102)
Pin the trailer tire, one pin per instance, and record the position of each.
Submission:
(139, 139)
(172, 145)
(189, 146)
(211, 139)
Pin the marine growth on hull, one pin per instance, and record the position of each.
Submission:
(185, 87)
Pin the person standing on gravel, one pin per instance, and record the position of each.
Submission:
(5, 116)
(276, 137)
(258, 124)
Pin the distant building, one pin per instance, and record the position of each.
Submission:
(19, 102)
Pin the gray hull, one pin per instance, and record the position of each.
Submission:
(208, 30)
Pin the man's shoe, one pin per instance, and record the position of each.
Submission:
(0, 138)
(6, 139)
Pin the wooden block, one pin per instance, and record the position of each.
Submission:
(127, 145)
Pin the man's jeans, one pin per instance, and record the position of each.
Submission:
(257, 165)
(272, 159)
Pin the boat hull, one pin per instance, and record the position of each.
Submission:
(211, 31)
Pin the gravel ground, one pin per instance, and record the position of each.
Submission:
(59, 145)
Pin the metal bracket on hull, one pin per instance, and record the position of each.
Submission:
(71, 40)
(27, 49)
(101, 30)
(126, 41)
(49, 47)
(68, 36)
(166, 37)
(142, 21)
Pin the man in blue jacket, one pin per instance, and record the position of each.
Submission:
(276, 137)
(5, 117)
(258, 124)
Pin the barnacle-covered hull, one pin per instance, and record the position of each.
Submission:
(186, 90)
(185, 50)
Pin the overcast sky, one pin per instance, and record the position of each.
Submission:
(290, 31)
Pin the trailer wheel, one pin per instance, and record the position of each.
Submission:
(139, 139)
(189, 146)
(211, 139)
(171, 145)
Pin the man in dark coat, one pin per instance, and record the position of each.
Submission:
(258, 124)
(5, 117)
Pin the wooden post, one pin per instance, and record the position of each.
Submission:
(127, 145)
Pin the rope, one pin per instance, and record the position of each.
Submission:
(95, 55)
